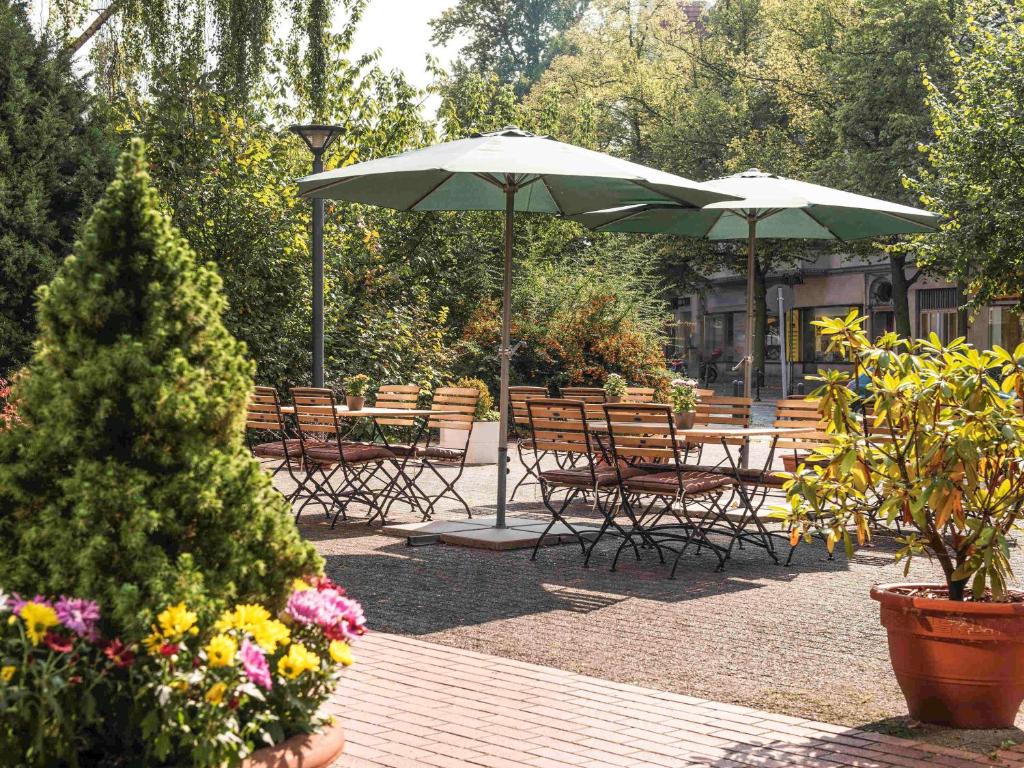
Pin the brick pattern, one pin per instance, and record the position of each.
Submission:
(411, 703)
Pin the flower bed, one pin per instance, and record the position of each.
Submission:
(194, 694)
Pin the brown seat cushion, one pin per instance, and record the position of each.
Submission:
(275, 450)
(402, 449)
(445, 454)
(668, 483)
(353, 453)
(581, 478)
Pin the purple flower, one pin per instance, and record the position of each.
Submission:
(78, 615)
(255, 664)
(17, 602)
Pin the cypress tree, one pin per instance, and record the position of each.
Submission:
(56, 154)
(128, 480)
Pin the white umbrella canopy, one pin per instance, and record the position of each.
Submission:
(771, 207)
(508, 170)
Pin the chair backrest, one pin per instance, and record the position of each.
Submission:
(315, 413)
(559, 425)
(517, 397)
(729, 412)
(594, 397)
(643, 432)
(639, 395)
(264, 411)
(704, 393)
(800, 413)
(460, 401)
(400, 396)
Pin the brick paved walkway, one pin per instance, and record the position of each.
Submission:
(412, 703)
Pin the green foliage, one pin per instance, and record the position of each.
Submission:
(976, 178)
(128, 481)
(940, 449)
(516, 40)
(55, 156)
(588, 308)
(485, 403)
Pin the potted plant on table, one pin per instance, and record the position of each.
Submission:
(682, 394)
(192, 625)
(935, 443)
(355, 391)
(614, 388)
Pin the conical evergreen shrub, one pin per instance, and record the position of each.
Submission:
(128, 481)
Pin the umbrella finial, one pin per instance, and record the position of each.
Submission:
(513, 131)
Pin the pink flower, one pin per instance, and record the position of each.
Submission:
(340, 618)
(78, 615)
(255, 664)
(18, 602)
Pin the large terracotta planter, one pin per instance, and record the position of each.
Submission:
(959, 664)
(313, 750)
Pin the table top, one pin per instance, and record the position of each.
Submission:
(709, 431)
(369, 412)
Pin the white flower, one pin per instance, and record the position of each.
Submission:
(5, 601)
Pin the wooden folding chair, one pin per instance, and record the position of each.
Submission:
(454, 407)
(520, 425)
(559, 427)
(345, 469)
(639, 395)
(649, 458)
(263, 418)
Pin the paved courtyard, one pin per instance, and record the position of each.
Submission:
(801, 641)
(408, 703)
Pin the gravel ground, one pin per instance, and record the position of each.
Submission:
(802, 640)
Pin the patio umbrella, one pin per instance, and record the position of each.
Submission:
(509, 170)
(770, 207)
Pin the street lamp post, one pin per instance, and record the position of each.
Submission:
(318, 138)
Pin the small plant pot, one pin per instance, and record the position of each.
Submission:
(685, 419)
(959, 664)
(355, 402)
(613, 398)
(307, 750)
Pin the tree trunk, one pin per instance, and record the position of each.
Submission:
(900, 293)
(97, 23)
(760, 318)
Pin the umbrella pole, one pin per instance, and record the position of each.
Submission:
(504, 353)
(749, 367)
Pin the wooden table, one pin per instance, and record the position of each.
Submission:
(343, 412)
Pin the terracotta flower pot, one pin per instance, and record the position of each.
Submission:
(354, 402)
(684, 419)
(613, 398)
(307, 750)
(959, 664)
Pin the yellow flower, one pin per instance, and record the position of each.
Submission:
(216, 693)
(340, 652)
(179, 685)
(6, 673)
(175, 621)
(270, 634)
(221, 650)
(299, 659)
(300, 585)
(153, 641)
(243, 617)
(38, 618)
